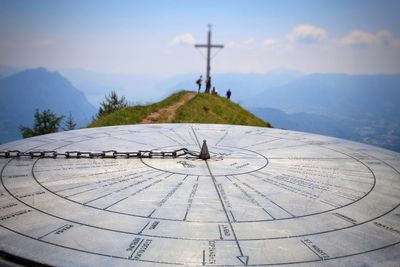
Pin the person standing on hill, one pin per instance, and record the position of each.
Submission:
(208, 85)
(228, 94)
(198, 82)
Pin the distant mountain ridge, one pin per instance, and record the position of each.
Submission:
(357, 107)
(362, 108)
(333, 93)
(243, 85)
(23, 92)
(95, 85)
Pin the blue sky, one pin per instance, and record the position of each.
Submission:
(157, 37)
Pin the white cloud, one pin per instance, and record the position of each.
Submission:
(269, 42)
(241, 44)
(250, 41)
(360, 38)
(233, 45)
(186, 38)
(307, 34)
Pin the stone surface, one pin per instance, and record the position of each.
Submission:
(266, 197)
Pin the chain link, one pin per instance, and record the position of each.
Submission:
(113, 154)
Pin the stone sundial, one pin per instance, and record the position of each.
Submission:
(265, 197)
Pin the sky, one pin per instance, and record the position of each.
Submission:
(158, 37)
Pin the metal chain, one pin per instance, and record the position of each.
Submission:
(113, 154)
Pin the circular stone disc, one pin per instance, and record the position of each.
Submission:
(265, 197)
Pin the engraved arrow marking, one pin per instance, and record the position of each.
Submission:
(242, 258)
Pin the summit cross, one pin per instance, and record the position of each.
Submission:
(208, 46)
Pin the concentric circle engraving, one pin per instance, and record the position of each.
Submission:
(224, 161)
(266, 197)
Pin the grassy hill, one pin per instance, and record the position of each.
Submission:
(183, 107)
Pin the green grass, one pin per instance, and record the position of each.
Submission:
(134, 114)
(205, 108)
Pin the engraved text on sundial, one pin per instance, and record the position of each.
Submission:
(275, 197)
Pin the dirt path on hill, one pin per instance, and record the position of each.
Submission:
(168, 114)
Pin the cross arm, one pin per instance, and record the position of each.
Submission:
(206, 46)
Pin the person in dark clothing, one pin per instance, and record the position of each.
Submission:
(198, 82)
(208, 85)
(228, 94)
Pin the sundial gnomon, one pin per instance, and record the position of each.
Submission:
(266, 197)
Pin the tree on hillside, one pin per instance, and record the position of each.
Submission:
(112, 103)
(45, 122)
(69, 124)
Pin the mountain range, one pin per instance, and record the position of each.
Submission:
(357, 107)
(361, 108)
(95, 85)
(24, 92)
